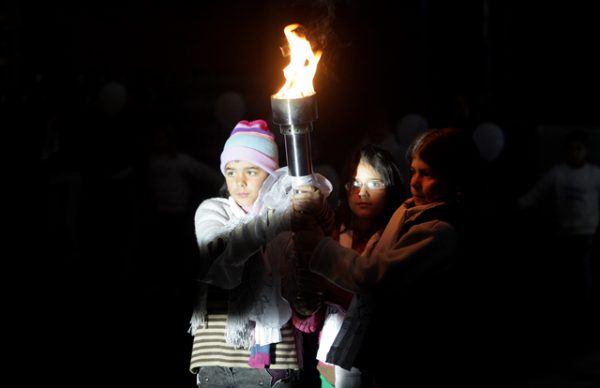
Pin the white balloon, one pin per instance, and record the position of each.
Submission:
(112, 98)
(409, 127)
(489, 139)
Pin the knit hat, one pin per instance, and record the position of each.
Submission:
(253, 142)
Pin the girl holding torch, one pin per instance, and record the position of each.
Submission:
(242, 326)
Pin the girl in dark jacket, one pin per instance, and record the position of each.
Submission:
(400, 327)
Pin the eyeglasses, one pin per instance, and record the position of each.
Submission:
(371, 185)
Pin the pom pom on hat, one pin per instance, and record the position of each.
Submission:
(253, 142)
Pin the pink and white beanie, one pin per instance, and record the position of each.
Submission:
(253, 142)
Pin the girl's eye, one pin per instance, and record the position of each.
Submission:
(375, 185)
(229, 174)
(251, 172)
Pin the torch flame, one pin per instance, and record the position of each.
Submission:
(300, 72)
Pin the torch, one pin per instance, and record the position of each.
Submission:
(294, 109)
(294, 106)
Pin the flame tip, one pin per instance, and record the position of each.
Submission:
(301, 70)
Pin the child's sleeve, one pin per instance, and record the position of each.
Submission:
(225, 246)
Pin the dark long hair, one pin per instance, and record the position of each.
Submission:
(451, 155)
(383, 163)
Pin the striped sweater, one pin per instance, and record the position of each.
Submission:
(210, 348)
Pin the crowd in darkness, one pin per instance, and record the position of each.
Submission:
(101, 98)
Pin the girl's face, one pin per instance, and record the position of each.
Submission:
(425, 186)
(366, 194)
(244, 181)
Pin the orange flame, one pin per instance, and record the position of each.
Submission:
(300, 72)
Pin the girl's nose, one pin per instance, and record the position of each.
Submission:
(241, 181)
(363, 192)
(415, 181)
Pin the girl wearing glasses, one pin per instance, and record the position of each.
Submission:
(374, 190)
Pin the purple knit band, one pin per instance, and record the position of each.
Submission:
(252, 130)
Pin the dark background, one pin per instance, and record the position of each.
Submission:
(520, 64)
(529, 66)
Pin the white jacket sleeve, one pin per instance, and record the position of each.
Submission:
(227, 242)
